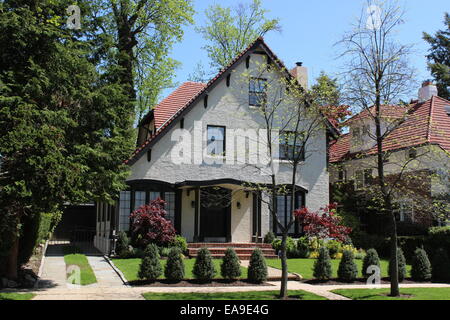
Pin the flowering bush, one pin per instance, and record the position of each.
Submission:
(149, 225)
(323, 224)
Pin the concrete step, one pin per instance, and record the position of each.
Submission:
(242, 256)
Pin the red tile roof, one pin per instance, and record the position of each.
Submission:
(425, 122)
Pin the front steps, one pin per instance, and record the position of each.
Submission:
(243, 250)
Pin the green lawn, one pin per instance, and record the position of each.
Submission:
(16, 296)
(87, 275)
(304, 267)
(130, 268)
(381, 294)
(251, 295)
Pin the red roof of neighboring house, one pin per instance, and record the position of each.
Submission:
(425, 122)
(387, 111)
(175, 101)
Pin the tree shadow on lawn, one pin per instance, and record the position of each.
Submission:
(359, 281)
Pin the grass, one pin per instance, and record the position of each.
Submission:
(250, 295)
(72, 257)
(304, 267)
(16, 296)
(407, 294)
(130, 268)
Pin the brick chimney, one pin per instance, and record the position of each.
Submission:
(301, 73)
(427, 91)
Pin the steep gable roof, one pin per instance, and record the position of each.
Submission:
(425, 123)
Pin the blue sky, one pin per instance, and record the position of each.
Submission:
(310, 28)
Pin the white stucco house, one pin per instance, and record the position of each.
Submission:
(186, 152)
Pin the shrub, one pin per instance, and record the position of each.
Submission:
(163, 251)
(438, 237)
(150, 268)
(230, 267)
(347, 271)
(401, 265)
(360, 254)
(149, 225)
(174, 269)
(257, 268)
(291, 247)
(322, 266)
(303, 247)
(269, 237)
(334, 247)
(421, 266)
(313, 255)
(204, 268)
(440, 266)
(371, 259)
(181, 243)
(122, 245)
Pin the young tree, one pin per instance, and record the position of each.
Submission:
(378, 74)
(327, 90)
(230, 31)
(439, 57)
(64, 129)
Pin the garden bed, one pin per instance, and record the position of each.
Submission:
(359, 281)
(249, 295)
(195, 283)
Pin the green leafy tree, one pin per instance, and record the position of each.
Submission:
(204, 269)
(257, 268)
(150, 267)
(421, 266)
(230, 267)
(327, 90)
(229, 31)
(174, 269)
(322, 266)
(347, 270)
(370, 259)
(64, 126)
(439, 57)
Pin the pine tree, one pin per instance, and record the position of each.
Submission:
(204, 267)
(421, 266)
(347, 271)
(322, 266)
(230, 267)
(257, 268)
(440, 266)
(370, 259)
(150, 267)
(174, 269)
(401, 265)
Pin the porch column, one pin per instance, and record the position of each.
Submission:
(196, 214)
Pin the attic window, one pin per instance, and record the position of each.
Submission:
(149, 155)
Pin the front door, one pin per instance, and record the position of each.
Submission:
(215, 214)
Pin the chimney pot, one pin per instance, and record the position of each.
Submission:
(299, 64)
(427, 91)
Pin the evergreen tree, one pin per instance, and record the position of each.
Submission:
(150, 267)
(174, 269)
(204, 267)
(230, 267)
(421, 266)
(401, 265)
(439, 58)
(370, 259)
(347, 271)
(440, 266)
(322, 266)
(326, 90)
(257, 268)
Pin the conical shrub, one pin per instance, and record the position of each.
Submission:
(401, 265)
(257, 268)
(203, 267)
(150, 267)
(421, 266)
(174, 269)
(230, 267)
(347, 271)
(370, 259)
(322, 266)
(440, 266)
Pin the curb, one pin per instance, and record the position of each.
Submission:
(119, 273)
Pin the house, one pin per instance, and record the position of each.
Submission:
(416, 146)
(186, 155)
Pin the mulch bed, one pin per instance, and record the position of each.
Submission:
(195, 283)
(358, 281)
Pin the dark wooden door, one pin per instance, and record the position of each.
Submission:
(213, 222)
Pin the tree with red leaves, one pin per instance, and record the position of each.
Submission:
(149, 224)
(323, 223)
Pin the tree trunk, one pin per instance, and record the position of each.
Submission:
(11, 262)
(395, 291)
(284, 267)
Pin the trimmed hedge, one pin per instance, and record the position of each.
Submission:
(440, 266)
(370, 259)
(401, 261)
(257, 268)
(204, 268)
(230, 267)
(150, 267)
(347, 271)
(174, 269)
(322, 266)
(421, 266)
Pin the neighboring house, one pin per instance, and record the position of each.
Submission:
(208, 199)
(417, 146)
